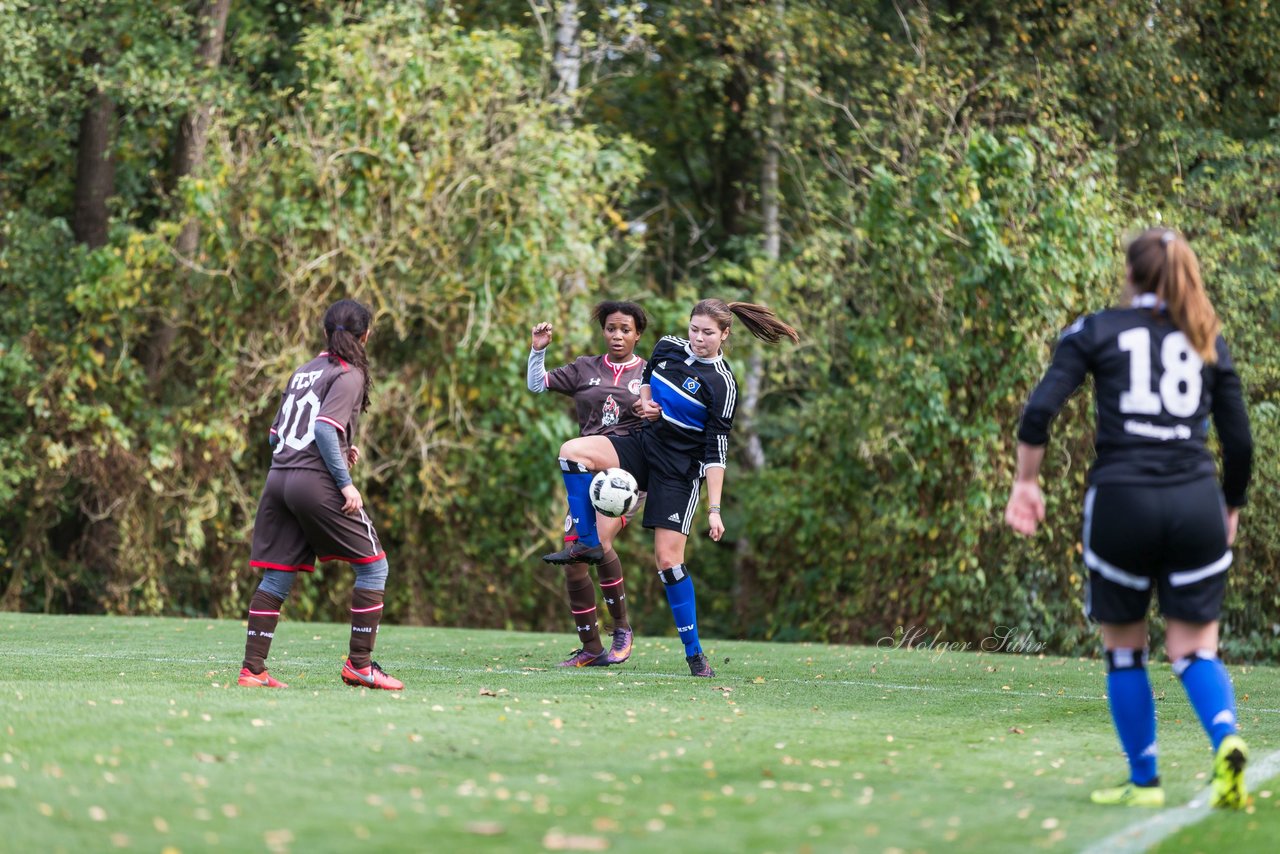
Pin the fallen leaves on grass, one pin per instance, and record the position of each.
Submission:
(485, 828)
(555, 840)
(1015, 730)
(278, 840)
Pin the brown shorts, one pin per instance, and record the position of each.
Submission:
(300, 520)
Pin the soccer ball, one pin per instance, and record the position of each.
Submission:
(614, 492)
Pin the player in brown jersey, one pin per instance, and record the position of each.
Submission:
(309, 507)
(604, 389)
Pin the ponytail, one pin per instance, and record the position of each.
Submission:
(759, 320)
(1162, 262)
(345, 324)
(1189, 305)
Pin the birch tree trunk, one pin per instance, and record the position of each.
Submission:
(566, 62)
(747, 580)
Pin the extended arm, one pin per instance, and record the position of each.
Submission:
(536, 373)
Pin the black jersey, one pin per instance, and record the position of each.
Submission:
(697, 396)
(1153, 395)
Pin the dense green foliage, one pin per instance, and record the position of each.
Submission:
(955, 184)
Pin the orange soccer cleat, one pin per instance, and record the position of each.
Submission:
(249, 679)
(372, 676)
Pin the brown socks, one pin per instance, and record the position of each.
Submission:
(366, 613)
(582, 602)
(264, 613)
(615, 595)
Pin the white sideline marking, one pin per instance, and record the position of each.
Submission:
(1143, 834)
(219, 662)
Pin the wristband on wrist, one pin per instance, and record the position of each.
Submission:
(714, 508)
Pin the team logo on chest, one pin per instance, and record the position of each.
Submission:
(634, 387)
(609, 412)
(691, 385)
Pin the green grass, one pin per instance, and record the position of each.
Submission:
(132, 734)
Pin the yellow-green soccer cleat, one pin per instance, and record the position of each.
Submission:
(1229, 791)
(1129, 795)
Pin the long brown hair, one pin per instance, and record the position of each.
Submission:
(759, 320)
(345, 323)
(1162, 262)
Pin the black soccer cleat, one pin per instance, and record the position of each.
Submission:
(576, 552)
(699, 666)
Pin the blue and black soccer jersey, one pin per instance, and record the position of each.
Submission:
(1154, 396)
(697, 396)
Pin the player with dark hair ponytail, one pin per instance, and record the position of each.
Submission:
(345, 326)
(311, 510)
(1154, 516)
(689, 395)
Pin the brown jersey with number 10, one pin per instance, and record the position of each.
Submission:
(602, 392)
(318, 391)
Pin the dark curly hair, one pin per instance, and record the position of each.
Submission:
(602, 311)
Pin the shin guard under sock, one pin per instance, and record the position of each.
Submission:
(1133, 710)
(684, 607)
(611, 587)
(577, 484)
(264, 613)
(1204, 678)
(366, 614)
(582, 602)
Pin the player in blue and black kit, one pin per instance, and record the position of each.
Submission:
(1154, 515)
(688, 395)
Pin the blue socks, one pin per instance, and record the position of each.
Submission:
(684, 607)
(577, 483)
(1133, 710)
(1208, 687)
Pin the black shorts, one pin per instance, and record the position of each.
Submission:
(671, 480)
(1171, 537)
(300, 519)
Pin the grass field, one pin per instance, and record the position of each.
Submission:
(132, 734)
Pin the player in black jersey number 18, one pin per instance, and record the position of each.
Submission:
(1154, 515)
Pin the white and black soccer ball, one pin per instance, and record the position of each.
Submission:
(614, 491)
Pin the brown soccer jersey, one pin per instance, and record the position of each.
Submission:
(318, 391)
(602, 392)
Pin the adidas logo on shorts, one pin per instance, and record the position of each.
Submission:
(674, 517)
